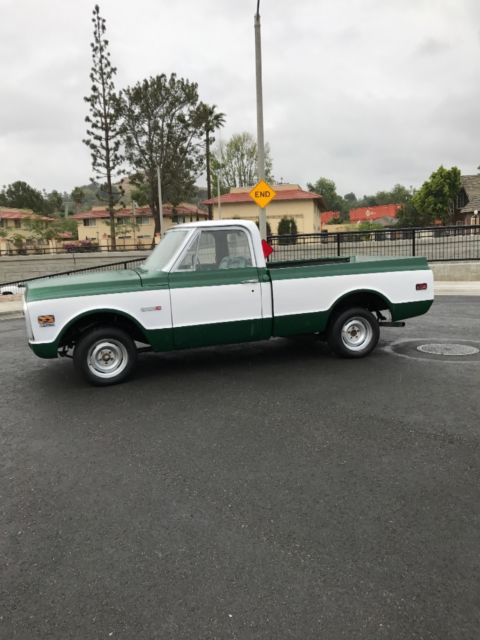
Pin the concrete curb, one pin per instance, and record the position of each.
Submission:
(11, 315)
(445, 288)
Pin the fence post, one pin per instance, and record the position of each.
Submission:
(413, 241)
(338, 244)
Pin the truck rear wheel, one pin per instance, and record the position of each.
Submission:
(105, 355)
(353, 333)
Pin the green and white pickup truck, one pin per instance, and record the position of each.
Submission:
(208, 283)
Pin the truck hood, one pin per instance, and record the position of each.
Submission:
(86, 284)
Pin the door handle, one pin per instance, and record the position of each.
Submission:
(249, 282)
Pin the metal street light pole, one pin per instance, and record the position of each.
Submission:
(260, 141)
(160, 205)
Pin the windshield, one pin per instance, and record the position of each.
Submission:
(165, 250)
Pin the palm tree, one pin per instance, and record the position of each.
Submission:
(209, 120)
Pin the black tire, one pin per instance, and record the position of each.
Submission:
(353, 333)
(105, 355)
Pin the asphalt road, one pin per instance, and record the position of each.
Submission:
(268, 491)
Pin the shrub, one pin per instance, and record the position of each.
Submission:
(287, 227)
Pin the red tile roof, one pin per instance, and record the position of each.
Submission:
(327, 216)
(282, 194)
(183, 208)
(21, 214)
(373, 213)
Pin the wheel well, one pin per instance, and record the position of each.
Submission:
(105, 318)
(365, 299)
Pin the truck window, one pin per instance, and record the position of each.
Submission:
(217, 249)
(166, 250)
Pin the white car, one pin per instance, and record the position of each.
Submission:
(12, 289)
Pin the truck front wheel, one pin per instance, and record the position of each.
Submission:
(353, 333)
(105, 355)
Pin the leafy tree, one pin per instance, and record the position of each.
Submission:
(209, 120)
(410, 216)
(398, 195)
(62, 225)
(160, 128)
(328, 190)
(236, 162)
(126, 226)
(103, 122)
(53, 202)
(351, 198)
(20, 195)
(18, 241)
(42, 230)
(78, 197)
(141, 194)
(437, 196)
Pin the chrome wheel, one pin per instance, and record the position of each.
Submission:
(356, 333)
(107, 358)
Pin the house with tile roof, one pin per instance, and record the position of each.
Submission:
(16, 234)
(135, 226)
(329, 217)
(291, 201)
(385, 214)
(468, 201)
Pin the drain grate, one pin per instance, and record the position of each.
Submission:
(460, 351)
(448, 349)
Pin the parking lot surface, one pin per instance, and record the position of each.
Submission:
(267, 491)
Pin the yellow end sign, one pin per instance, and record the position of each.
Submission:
(262, 193)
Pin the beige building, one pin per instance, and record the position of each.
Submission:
(291, 201)
(135, 227)
(17, 234)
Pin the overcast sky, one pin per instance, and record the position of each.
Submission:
(368, 93)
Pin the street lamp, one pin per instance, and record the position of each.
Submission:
(260, 141)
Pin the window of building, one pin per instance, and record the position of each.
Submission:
(142, 220)
(18, 224)
(89, 222)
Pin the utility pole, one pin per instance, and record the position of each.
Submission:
(262, 214)
(160, 206)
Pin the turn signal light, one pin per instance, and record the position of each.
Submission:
(421, 286)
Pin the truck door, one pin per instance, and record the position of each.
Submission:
(215, 290)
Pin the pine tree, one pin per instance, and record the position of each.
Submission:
(103, 122)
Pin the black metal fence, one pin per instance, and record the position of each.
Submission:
(437, 244)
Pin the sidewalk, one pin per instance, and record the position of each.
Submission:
(12, 306)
